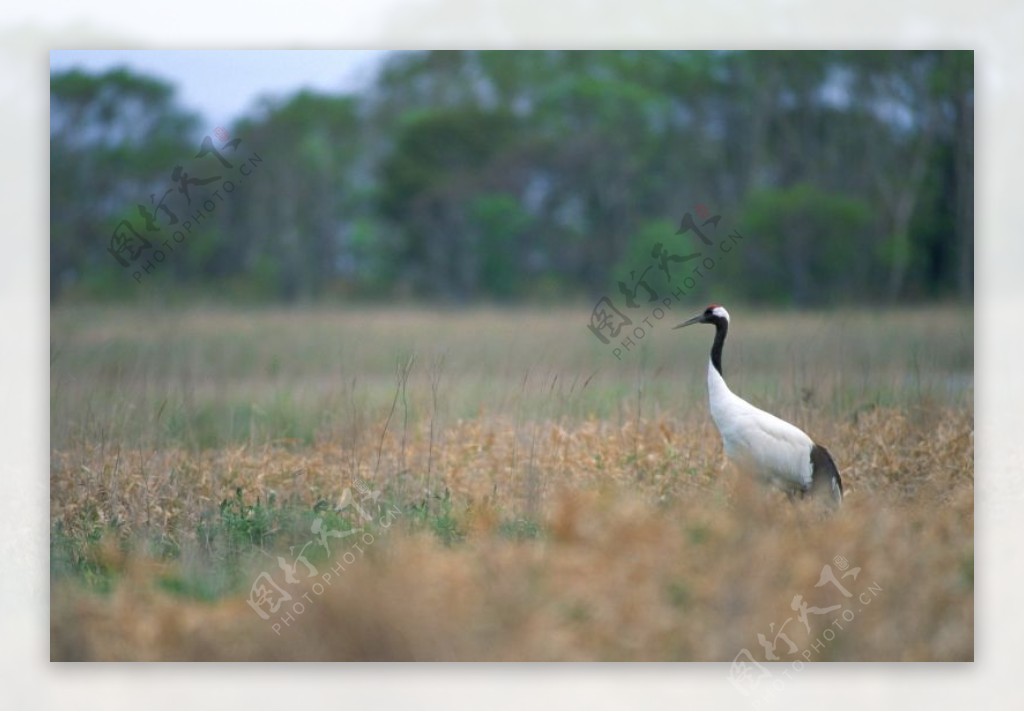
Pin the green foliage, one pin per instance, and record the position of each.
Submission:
(219, 557)
(520, 529)
(79, 554)
(679, 594)
(514, 176)
(243, 525)
(115, 138)
(436, 514)
(430, 186)
(373, 271)
(639, 260)
(438, 148)
(500, 222)
(806, 245)
(208, 426)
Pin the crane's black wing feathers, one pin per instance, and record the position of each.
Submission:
(825, 479)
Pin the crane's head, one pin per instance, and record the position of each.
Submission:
(714, 314)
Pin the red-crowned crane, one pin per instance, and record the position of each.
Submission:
(758, 442)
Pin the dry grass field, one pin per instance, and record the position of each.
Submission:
(389, 484)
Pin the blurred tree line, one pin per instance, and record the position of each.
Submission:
(506, 176)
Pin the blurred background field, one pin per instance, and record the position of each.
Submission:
(556, 503)
(213, 376)
(387, 289)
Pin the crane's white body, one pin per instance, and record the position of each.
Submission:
(758, 442)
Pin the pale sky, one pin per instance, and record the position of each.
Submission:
(223, 85)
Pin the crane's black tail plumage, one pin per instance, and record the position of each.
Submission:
(825, 479)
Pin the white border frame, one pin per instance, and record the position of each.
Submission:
(29, 31)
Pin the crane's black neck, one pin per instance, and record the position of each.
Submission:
(721, 329)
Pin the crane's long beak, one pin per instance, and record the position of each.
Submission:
(692, 320)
